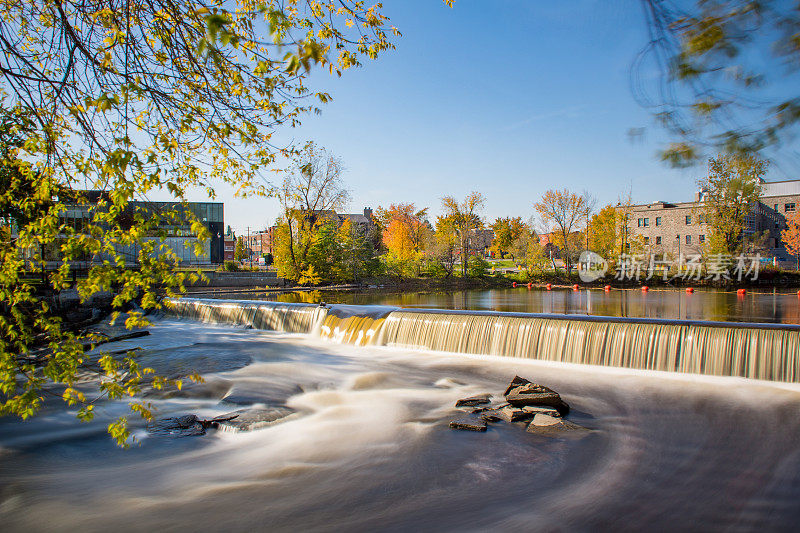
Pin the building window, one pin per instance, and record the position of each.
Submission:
(701, 239)
(776, 208)
(658, 240)
(647, 240)
(639, 223)
(688, 239)
(789, 208)
(658, 221)
(688, 220)
(646, 221)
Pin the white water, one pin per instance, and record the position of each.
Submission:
(757, 351)
(370, 448)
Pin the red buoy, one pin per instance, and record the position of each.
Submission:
(549, 286)
(798, 293)
(741, 291)
(607, 288)
(689, 290)
(530, 285)
(576, 287)
(514, 284)
(645, 288)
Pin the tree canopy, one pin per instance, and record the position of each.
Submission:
(723, 67)
(730, 192)
(464, 221)
(135, 99)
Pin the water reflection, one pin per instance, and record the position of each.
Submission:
(771, 306)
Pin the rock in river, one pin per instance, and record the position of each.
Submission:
(480, 399)
(522, 393)
(543, 424)
(178, 426)
(251, 419)
(468, 424)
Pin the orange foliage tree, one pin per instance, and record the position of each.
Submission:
(404, 231)
(791, 236)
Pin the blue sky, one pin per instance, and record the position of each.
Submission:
(509, 98)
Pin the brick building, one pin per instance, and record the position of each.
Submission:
(261, 243)
(674, 229)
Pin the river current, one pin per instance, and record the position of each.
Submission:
(369, 447)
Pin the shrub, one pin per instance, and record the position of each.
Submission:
(230, 266)
(477, 267)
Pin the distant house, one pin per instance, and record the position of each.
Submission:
(364, 221)
(262, 242)
(480, 241)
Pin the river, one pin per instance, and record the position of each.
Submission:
(774, 306)
(369, 447)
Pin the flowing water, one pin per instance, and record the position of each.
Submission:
(760, 351)
(369, 447)
(763, 305)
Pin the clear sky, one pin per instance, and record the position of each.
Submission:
(508, 97)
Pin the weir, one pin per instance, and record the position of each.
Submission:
(758, 351)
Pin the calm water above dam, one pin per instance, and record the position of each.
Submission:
(763, 306)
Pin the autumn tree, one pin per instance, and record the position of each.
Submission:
(506, 231)
(310, 194)
(358, 254)
(404, 234)
(563, 211)
(528, 252)
(239, 250)
(442, 248)
(137, 99)
(603, 231)
(464, 220)
(791, 236)
(730, 192)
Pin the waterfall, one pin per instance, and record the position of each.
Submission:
(292, 318)
(759, 351)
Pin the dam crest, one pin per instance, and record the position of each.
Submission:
(757, 351)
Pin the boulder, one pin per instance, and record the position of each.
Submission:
(250, 419)
(480, 399)
(178, 426)
(516, 382)
(547, 425)
(522, 393)
(468, 424)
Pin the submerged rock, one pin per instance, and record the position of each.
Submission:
(480, 399)
(468, 424)
(178, 426)
(543, 424)
(251, 419)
